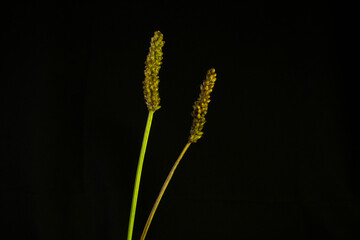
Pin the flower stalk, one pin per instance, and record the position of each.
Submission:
(151, 94)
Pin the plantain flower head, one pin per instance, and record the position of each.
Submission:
(152, 67)
(200, 106)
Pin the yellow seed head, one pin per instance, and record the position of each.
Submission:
(200, 106)
(152, 67)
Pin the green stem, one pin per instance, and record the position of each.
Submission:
(138, 175)
(166, 183)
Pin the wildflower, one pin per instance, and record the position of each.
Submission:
(152, 67)
(200, 106)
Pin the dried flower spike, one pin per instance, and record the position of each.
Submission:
(152, 67)
(200, 110)
(200, 107)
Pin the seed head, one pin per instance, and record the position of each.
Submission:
(152, 67)
(200, 106)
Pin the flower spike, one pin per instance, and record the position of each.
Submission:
(200, 106)
(152, 67)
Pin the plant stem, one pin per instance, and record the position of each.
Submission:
(166, 183)
(138, 175)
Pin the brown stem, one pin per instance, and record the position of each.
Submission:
(166, 183)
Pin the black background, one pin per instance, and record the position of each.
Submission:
(277, 159)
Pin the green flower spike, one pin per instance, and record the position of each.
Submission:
(151, 95)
